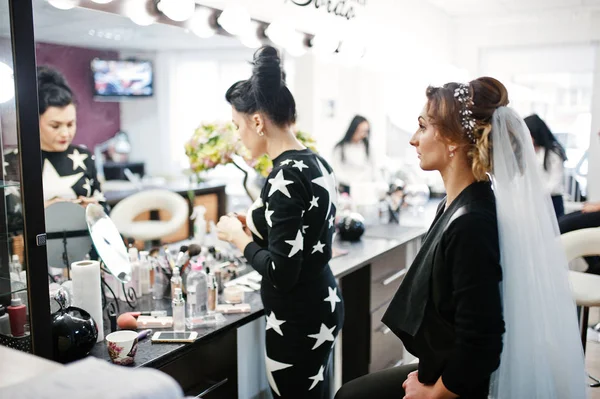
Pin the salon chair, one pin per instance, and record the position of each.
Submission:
(586, 287)
(124, 213)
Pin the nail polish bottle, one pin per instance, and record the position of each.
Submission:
(18, 317)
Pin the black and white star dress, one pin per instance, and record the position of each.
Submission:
(67, 174)
(293, 226)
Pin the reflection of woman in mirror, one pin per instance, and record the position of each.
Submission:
(292, 224)
(69, 172)
(351, 158)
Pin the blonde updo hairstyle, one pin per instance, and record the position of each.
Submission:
(443, 110)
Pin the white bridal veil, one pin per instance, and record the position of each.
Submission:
(542, 356)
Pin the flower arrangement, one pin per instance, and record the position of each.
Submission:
(215, 143)
(212, 144)
(263, 165)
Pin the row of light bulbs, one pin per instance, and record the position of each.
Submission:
(236, 21)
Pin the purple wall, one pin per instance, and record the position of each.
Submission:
(96, 121)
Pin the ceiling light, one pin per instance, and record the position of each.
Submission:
(177, 10)
(296, 46)
(141, 12)
(352, 50)
(280, 32)
(325, 43)
(102, 1)
(200, 23)
(250, 38)
(7, 82)
(234, 19)
(64, 4)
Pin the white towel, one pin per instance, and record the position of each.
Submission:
(92, 378)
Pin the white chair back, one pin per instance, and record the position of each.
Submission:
(124, 213)
(584, 242)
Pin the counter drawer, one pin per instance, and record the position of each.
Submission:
(211, 365)
(387, 263)
(386, 348)
(383, 290)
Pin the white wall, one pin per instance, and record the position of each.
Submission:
(485, 46)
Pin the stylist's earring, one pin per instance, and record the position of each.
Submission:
(260, 133)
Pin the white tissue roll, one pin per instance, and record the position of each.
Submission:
(87, 291)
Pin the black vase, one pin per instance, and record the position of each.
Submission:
(351, 226)
(74, 334)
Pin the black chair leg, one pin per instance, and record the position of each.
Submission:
(583, 325)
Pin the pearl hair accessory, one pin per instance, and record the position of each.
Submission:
(463, 94)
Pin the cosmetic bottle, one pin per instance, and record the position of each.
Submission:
(197, 295)
(176, 282)
(178, 304)
(136, 275)
(161, 281)
(212, 292)
(18, 317)
(15, 267)
(145, 272)
(4, 321)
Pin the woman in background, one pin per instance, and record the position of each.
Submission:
(69, 171)
(351, 158)
(292, 224)
(551, 156)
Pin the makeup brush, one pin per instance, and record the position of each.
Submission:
(182, 257)
(194, 250)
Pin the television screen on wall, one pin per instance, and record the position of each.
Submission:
(114, 78)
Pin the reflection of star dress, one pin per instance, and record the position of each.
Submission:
(68, 174)
(292, 227)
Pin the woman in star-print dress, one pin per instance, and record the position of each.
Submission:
(292, 225)
(69, 172)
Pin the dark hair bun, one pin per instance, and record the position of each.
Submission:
(53, 89)
(265, 91)
(267, 74)
(48, 76)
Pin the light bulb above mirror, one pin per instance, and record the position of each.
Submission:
(250, 38)
(234, 19)
(200, 24)
(64, 4)
(7, 82)
(177, 10)
(102, 1)
(141, 12)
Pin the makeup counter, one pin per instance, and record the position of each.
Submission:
(369, 272)
(221, 354)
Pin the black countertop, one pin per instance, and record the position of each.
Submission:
(378, 240)
(157, 355)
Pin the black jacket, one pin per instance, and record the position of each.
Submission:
(448, 310)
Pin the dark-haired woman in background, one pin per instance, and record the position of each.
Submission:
(351, 158)
(551, 156)
(292, 226)
(69, 172)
